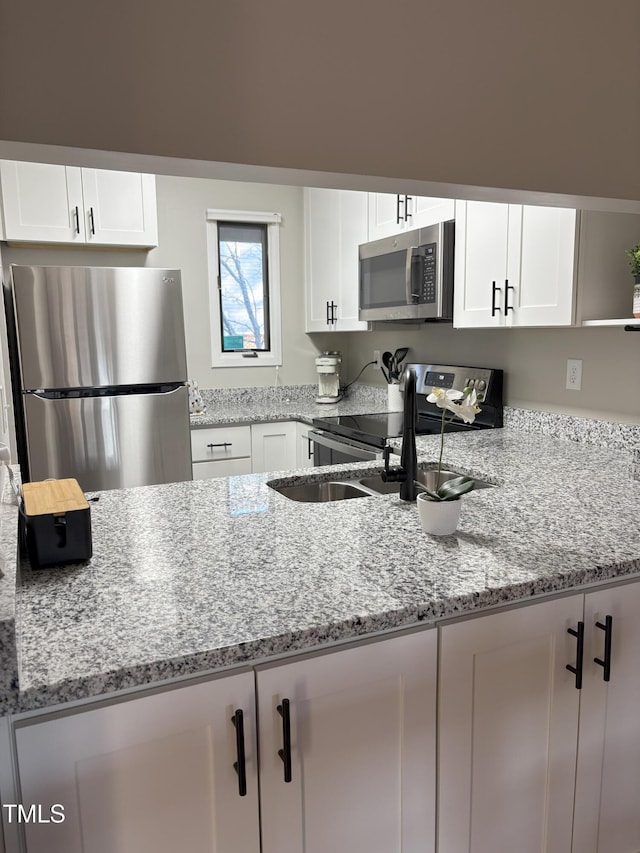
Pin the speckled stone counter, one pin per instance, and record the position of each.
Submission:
(267, 405)
(198, 575)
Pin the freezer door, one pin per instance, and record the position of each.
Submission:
(109, 442)
(86, 327)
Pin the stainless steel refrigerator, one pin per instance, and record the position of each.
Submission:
(99, 368)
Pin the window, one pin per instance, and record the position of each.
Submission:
(244, 288)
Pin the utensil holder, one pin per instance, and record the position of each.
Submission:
(395, 398)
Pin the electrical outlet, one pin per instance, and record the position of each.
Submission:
(574, 374)
(376, 357)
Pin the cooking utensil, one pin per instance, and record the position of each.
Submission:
(396, 359)
(386, 361)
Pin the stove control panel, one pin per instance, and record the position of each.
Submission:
(486, 382)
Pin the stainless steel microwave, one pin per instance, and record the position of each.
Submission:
(408, 277)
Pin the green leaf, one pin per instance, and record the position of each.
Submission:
(452, 489)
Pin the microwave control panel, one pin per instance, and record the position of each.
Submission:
(429, 273)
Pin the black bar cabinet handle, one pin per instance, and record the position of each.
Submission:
(221, 444)
(77, 215)
(606, 663)
(285, 752)
(92, 221)
(399, 219)
(407, 215)
(494, 290)
(328, 317)
(309, 447)
(577, 669)
(240, 765)
(507, 288)
(334, 306)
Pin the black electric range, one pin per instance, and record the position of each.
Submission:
(345, 438)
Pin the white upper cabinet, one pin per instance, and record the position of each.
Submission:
(514, 265)
(335, 225)
(120, 208)
(391, 213)
(43, 203)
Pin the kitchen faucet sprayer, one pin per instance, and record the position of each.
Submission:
(406, 473)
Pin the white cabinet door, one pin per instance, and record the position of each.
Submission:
(480, 271)
(391, 214)
(149, 774)
(508, 712)
(542, 249)
(304, 452)
(120, 208)
(425, 211)
(273, 446)
(386, 215)
(607, 809)
(514, 265)
(362, 730)
(353, 232)
(42, 203)
(335, 225)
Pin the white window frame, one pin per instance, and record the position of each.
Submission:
(273, 358)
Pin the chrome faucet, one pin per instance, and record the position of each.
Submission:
(406, 473)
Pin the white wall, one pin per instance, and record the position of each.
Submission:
(182, 203)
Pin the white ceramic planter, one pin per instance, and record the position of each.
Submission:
(438, 517)
(395, 398)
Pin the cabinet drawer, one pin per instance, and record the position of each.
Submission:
(208, 445)
(223, 468)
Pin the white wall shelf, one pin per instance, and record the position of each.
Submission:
(628, 321)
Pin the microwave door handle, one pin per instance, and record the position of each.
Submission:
(411, 251)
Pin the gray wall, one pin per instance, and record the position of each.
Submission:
(534, 361)
(539, 95)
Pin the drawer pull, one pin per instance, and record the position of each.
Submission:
(221, 444)
(285, 752)
(240, 765)
(577, 669)
(606, 663)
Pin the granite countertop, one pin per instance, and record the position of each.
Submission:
(192, 576)
(287, 407)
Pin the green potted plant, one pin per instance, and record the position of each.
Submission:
(634, 263)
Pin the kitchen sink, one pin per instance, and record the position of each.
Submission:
(321, 492)
(427, 478)
(363, 487)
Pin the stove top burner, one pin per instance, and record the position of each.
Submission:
(374, 429)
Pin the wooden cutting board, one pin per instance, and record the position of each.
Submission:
(53, 497)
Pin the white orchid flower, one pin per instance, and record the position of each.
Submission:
(468, 408)
(445, 399)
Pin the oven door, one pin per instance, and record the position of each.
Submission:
(329, 449)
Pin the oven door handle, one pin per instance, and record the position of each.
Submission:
(345, 446)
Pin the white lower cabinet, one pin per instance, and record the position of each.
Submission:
(148, 774)
(508, 712)
(607, 809)
(304, 446)
(361, 728)
(528, 762)
(273, 446)
(157, 773)
(225, 451)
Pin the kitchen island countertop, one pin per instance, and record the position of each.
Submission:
(193, 576)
